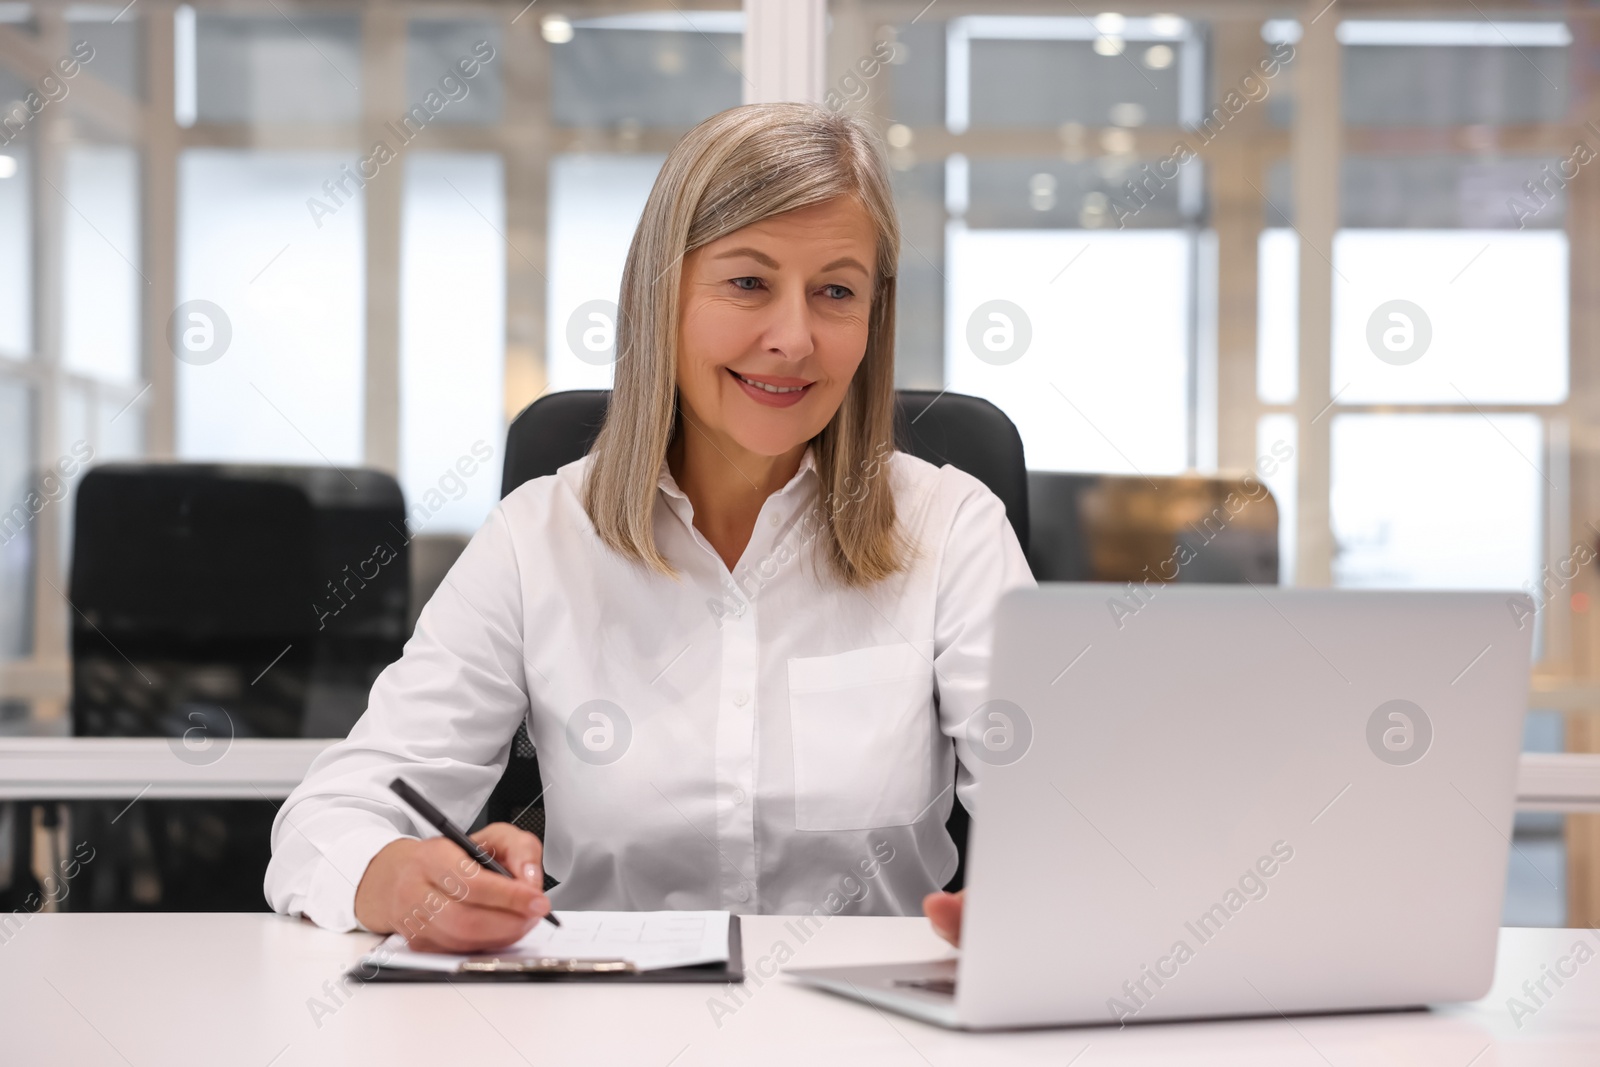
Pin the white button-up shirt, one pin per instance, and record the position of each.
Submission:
(766, 740)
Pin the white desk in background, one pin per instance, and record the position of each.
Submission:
(160, 768)
(235, 990)
(84, 768)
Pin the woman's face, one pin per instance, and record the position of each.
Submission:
(784, 304)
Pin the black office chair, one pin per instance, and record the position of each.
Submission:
(1131, 528)
(213, 602)
(964, 431)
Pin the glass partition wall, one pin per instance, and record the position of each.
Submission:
(324, 233)
(1337, 245)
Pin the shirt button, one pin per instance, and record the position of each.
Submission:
(742, 894)
(741, 698)
(738, 796)
(773, 518)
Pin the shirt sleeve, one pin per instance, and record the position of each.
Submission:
(442, 716)
(982, 561)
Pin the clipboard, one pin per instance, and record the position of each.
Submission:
(491, 968)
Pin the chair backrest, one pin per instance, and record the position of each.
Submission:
(199, 570)
(220, 601)
(1130, 528)
(966, 432)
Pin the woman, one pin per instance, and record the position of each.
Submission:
(743, 630)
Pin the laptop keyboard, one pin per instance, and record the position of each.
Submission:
(945, 986)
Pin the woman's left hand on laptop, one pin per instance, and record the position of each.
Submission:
(944, 911)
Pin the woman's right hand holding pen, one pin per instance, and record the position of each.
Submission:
(431, 892)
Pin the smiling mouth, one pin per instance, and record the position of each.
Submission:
(769, 388)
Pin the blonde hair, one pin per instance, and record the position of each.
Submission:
(734, 169)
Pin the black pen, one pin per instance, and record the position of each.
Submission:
(437, 819)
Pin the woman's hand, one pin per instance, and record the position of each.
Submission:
(441, 901)
(944, 911)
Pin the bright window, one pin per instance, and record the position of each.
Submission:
(1101, 321)
(1450, 316)
(289, 386)
(101, 279)
(1277, 435)
(16, 246)
(595, 203)
(1277, 316)
(1437, 501)
(452, 336)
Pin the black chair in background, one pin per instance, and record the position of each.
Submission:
(964, 431)
(214, 602)
(1130, 528)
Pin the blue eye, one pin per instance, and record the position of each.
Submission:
(748, 289)
(843, 294)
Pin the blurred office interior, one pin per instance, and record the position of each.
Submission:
(1190, 213)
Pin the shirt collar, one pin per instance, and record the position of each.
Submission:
(669, 485)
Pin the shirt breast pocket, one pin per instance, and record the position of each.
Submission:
(863, 726)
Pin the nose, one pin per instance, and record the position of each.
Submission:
(788, 333)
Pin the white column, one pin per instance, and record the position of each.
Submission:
(1314, 150)
(785, 42)
(383, 51)
(158, 190)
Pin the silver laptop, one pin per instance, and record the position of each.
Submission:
(1229, 801)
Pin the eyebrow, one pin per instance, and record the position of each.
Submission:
(772, 264)
(847, 261)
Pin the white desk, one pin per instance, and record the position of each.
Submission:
(234, 989)
(80, 768)
(159, 768)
